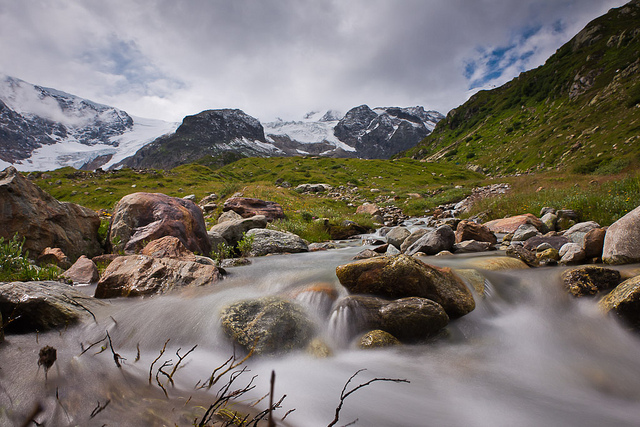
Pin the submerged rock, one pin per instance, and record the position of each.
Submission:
(138, 275)
(267, 325)
(624, 301)
(377, 339)
(589, 280)
(404, 276)
(41, 306)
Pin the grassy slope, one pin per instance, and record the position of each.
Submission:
(532, 123)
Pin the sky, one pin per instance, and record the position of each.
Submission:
(166, 59)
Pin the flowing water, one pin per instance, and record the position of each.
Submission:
(528, 355)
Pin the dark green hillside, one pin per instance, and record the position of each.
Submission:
(580, 111)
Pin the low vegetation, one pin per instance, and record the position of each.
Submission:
(15, 265)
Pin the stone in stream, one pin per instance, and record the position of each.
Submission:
(266, 241)
(441, 239)
(267, 325)
(511, 224)
(138, 275)
(589, 280)
(468, 230)
(397, 235)
(412, 238)
(624, 301)
(82, 271)
(232, 230)
(404, 276)
(41, 306)
(139, 218)
(377, 339)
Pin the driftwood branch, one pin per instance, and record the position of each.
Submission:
(164, 347)
(344, 394)
(116, 357)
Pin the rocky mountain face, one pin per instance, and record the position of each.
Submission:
(32, 116)
(209, 133)
(579, 111)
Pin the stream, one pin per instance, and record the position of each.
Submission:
(528, 355)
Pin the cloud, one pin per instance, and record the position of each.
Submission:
(166, 58)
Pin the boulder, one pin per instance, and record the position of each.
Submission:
(216, 240)
(550, 219)
(54, 256)
(366, 253)
(525, 255)
(233, 230)
(377, 339)
(549, 256)
(511, 224)
(440, 239)
(412, 238)
(593, 243)
(248, 207)
(408, 319)
(267, 325)
(41, 306)
(589, 280)
(567, 218)
(369, 209)
(556, 242)
(404, 276)
(397, 235)
(139, 218)
(345, 230)
(168, 247)
(468, 230)
(138, 275)
(229, 216)
(624, 301)
(622, 240)
(471, 246)
(83, 271)
(392, 250)
(267, 242)
(497, 263)
(43, 221)
(571, 253)
(524, 233)
(313, 188)
(577, 232)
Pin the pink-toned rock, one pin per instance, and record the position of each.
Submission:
(511, 224)
(54, 256)
(369, 209)
(468, 230)
(138, 275)
(594, 242)
(622, 240)
(83, 271)
(168, 247)
(143, 217)
(43, 221)
(248, 207)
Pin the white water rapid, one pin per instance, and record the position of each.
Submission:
(528, 355)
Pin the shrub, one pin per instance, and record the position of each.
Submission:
(245, 245)
(15, 266)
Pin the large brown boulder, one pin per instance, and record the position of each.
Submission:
(139, 218)
(511, 224)
(32, 213)
(468, 230)
(168, 247)
(40, 306)
(403, 276)
(83, 271)
(248, 207)
(622, 240)
(624, 301)
(137, 275)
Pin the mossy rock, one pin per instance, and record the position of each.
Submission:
(377, 339)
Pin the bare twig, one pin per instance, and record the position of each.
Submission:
(232, 362)
(271, 423)
(99, 408)
(116, 357)
(344, 394)
(138, 353)
(164, 347)
(84, 350)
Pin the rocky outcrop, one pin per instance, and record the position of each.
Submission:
(622, 240)
(589, 280)
(267, 325)
(41, 306)
(248, 207)
(139, 218)
(139, 275)
(45, 222)
(83, 271)
(267, 242)
(403, 276)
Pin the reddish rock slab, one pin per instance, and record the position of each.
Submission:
(54, 256)
(140, 218)
(168, 247)
(32, 213)
(248, 207)
(511, 224)
(468, 230)
(82, 271)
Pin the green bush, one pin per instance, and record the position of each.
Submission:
(246, 244)
(15, 266)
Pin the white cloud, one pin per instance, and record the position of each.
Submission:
(166, 59)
